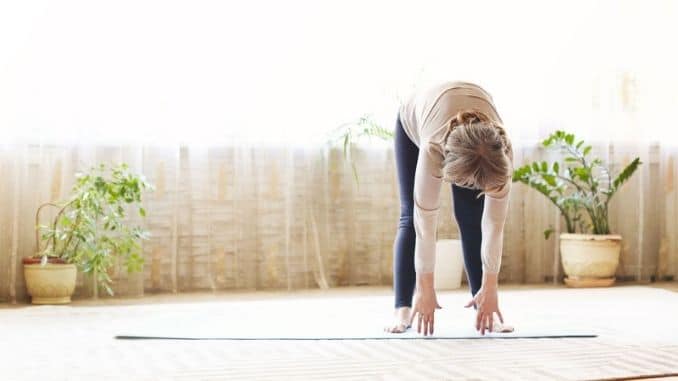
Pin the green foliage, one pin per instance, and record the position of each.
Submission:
(349, 133)
(548, 232)
(578, 186)
(90, 230)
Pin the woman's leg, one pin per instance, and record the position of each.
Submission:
(468, 210)
(404, 276)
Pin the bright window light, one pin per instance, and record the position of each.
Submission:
(288, 72)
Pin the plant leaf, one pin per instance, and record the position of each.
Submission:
(569, 139)
(548, 232)
(626, 173)
(586, 150)
(550, 179)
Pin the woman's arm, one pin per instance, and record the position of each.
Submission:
(486, 299)
(427, 183)
(492, 226)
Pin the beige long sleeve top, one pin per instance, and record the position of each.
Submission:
(425, 117)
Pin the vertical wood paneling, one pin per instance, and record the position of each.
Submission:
(261, 217)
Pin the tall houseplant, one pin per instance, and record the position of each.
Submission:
(449, 260)
(349, 133)
(581, 187)
(88, 233)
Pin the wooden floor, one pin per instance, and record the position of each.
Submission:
(636, 324)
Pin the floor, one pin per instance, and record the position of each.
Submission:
(637, 327)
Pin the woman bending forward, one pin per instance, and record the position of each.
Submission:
(450, 132)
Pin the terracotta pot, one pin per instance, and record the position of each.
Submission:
(590, 260)
(53, 283)
(37, 260)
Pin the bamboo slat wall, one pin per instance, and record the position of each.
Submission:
(275, 218)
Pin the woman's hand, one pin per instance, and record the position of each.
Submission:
(487, 302)
(425, 304)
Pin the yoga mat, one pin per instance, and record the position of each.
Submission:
(355, 318)
(221, 329)
(393, 337)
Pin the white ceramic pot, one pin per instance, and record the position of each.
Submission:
(590, 259)
(52, 283)
(449, 264)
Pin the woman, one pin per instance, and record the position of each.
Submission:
(450, 132)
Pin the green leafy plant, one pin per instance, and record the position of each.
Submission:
(89, 229)
(350, 133)
(579, 186)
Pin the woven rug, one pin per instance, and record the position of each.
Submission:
(633, 324)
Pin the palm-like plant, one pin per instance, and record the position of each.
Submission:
(349, 133)
(576, 184)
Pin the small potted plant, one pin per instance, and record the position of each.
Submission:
(87, 234)
(581, 188)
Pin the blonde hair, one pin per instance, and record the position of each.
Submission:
(478, 154)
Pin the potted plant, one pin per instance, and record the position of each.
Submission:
(87, 234)
(449, 258)
(581, 188)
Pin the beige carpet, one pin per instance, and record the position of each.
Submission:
(636, 324)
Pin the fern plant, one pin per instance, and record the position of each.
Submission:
(349, 133)
(580, 187)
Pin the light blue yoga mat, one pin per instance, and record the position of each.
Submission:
(393, 337)
(206, 328)
(343, 318)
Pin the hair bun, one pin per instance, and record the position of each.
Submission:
(471, 116)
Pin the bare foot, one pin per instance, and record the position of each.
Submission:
(499, 327)
(402, 320)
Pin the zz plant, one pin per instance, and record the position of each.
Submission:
(89, 229)
(580, 187)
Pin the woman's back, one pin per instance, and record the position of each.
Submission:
(426, 114)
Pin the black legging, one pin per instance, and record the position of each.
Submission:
(468, 210)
